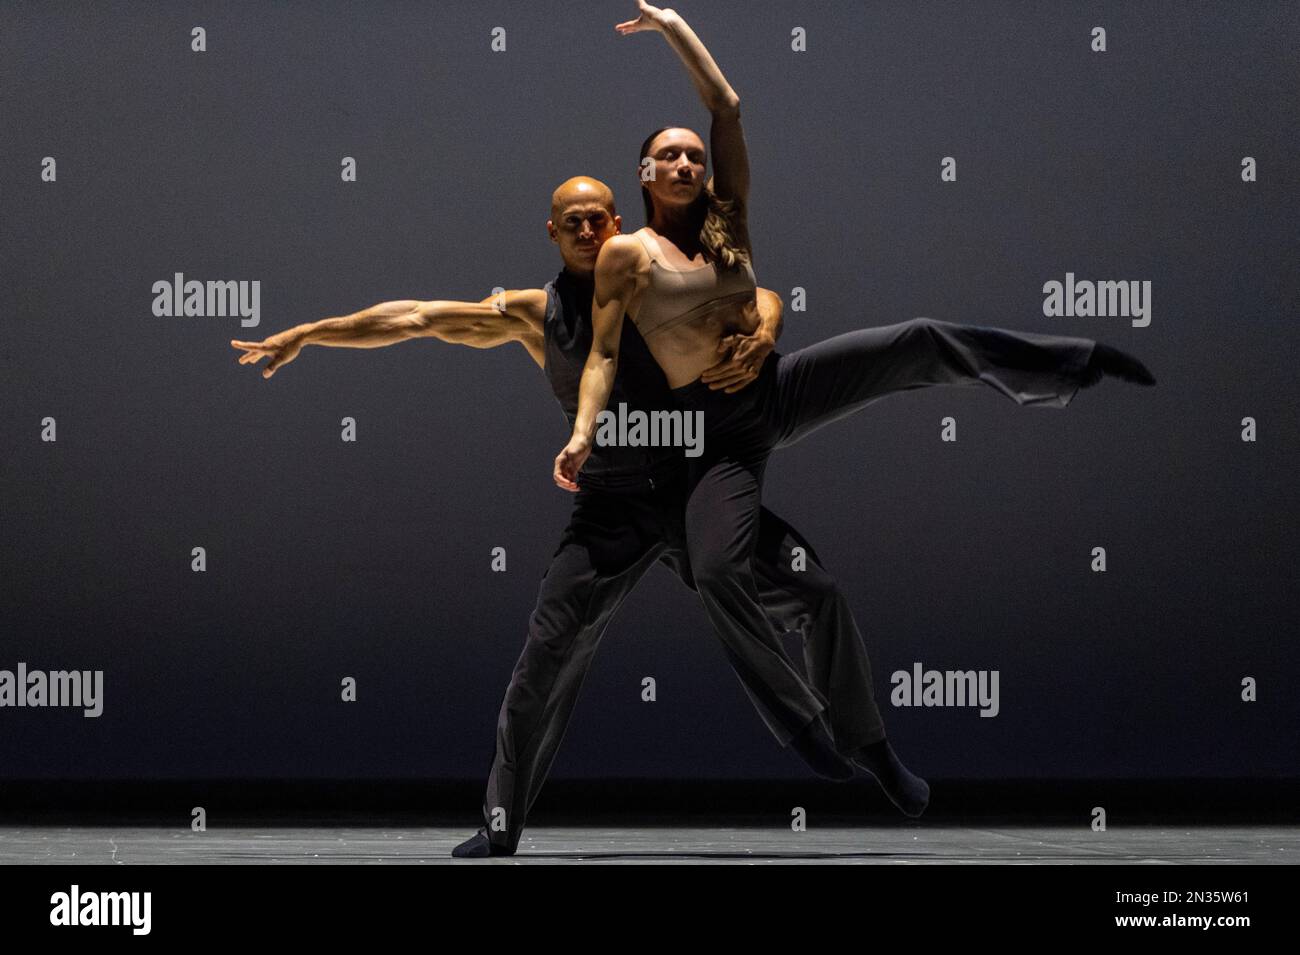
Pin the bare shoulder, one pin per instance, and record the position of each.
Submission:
(526, 311)
(529, 305)
(621, 253)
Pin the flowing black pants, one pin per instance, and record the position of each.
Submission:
(610, 542)
(798, 393)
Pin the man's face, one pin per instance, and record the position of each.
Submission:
(580, 228)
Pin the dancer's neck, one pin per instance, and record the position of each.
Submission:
(680, 227)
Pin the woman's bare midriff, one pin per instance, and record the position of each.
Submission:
(686, 350)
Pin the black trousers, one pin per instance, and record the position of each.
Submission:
(610, 542)
(798, 393)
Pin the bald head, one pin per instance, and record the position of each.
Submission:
(581, 190)
(582, 218)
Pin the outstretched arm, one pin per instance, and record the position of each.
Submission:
(513, 316)
(617, 280)
(727, 138)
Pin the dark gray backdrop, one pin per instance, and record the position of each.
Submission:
(371, 560)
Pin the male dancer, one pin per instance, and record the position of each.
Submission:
(628, 513)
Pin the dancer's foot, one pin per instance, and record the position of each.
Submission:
(478, 846)
(909, 792)
(1106, 360)
(814, 747)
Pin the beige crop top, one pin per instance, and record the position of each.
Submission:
(676, 296)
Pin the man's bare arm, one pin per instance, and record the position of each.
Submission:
(743, 355)
(514, 315)
(494, 321)
(771, 321)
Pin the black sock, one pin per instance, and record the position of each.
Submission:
(909, 792)
(478, 846)
(814, 746)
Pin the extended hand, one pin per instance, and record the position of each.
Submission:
(652, 18)
(569, 462)
(283, 348)
(746, 354)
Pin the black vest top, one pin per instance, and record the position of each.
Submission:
(639, 383)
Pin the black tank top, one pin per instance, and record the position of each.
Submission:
(639, 383)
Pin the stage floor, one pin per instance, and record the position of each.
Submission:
(893, 845)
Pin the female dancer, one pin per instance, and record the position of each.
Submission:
(687, 282)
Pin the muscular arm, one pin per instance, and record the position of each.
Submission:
(770, 310)
(743, 355)
(513, 316)
(618, 279)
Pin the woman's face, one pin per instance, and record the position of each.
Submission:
(678, 168)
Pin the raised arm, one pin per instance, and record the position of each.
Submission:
(727, 138)
(513, 316)
(619, 276)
